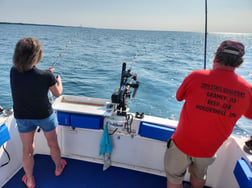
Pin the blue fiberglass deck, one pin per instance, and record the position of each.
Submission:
(81, 174)
(85, 175)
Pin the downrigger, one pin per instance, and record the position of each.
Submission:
(120, 95)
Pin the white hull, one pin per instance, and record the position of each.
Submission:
(130, 150)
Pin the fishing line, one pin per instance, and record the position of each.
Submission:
(50, 96)
(135, 57)
(64, 49)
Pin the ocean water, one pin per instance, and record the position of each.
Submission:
(91, 60)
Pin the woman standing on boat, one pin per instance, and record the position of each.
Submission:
(214, 101)
(30, 86)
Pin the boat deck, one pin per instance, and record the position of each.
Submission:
(86, 175)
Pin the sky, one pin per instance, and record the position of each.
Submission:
(232, 16)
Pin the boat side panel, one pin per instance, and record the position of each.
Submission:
(243, 173)
(220, 173)
(14, 148)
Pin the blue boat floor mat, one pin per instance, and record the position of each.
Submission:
(82, 174)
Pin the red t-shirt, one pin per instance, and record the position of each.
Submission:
(214, 101)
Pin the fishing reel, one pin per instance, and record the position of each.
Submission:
(120, 95)
(5, 112)
(248, 146)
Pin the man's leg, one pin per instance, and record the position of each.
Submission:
(198, 171)
(195, 183)
(175, 163)
(171, 185)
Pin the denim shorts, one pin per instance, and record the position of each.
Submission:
(28, 125)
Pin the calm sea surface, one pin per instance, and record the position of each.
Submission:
(91, 63)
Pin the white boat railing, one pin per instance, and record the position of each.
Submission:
(80, 134)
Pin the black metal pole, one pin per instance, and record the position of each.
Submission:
(205, 34)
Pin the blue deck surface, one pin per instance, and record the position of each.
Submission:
(86, 175)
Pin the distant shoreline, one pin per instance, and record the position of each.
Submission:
(16, 23)
(54, 25)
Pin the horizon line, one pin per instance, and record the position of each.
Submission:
(80, 26)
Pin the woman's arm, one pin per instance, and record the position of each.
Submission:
(57, 88)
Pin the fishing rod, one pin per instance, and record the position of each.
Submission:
(64, 49)
(128, 81)
(50, 96)
(205, 48)
(127, 74)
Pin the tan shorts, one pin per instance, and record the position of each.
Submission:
(176, 164)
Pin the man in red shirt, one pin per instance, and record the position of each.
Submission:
(214, 101)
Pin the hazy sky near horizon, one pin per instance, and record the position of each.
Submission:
(179, 15)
